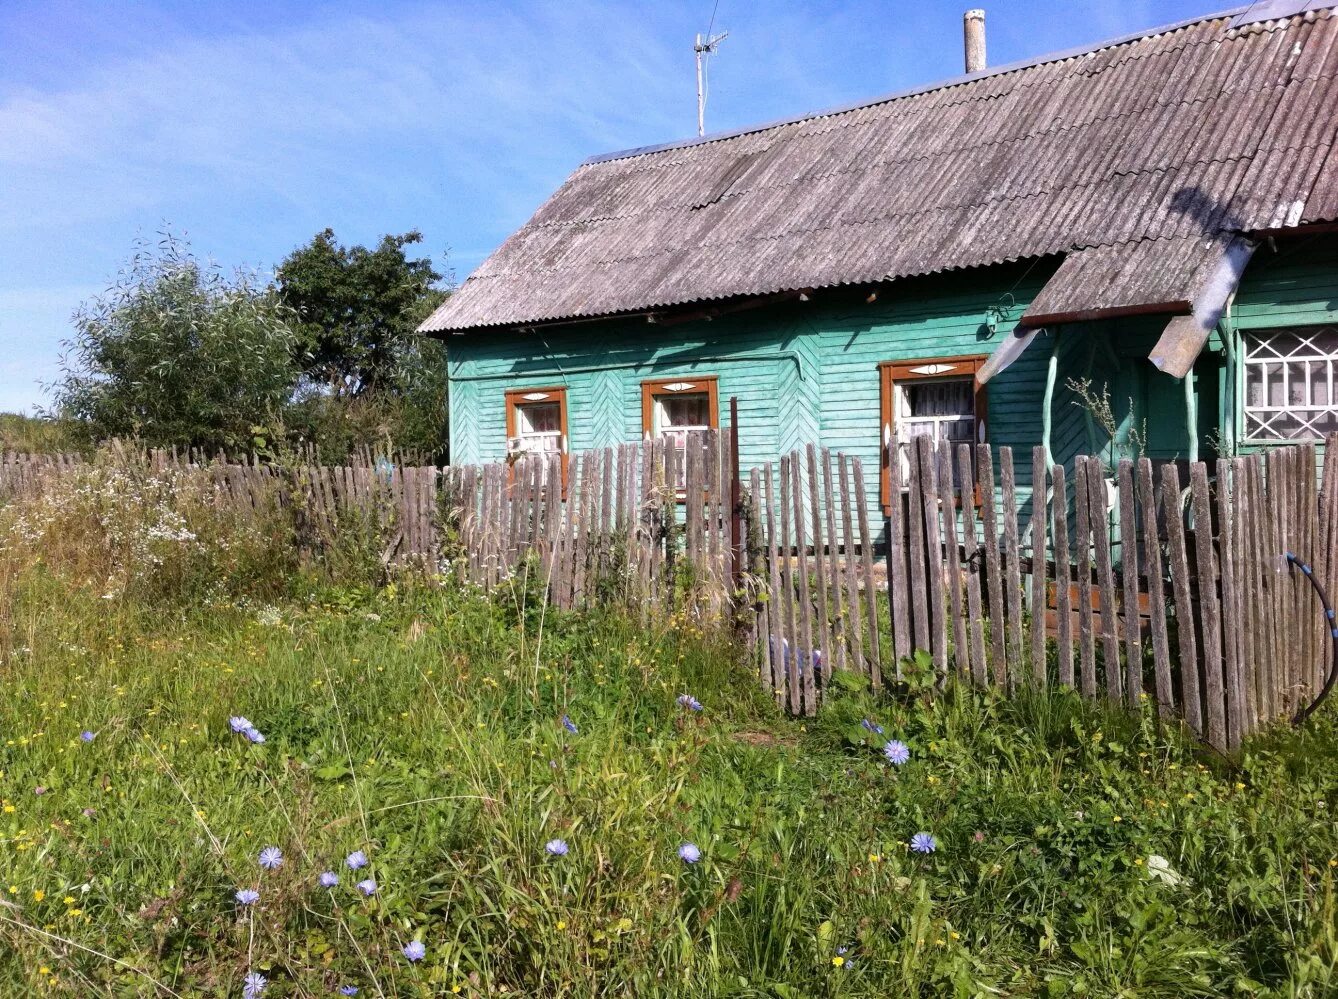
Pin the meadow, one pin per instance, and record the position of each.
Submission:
(226, 772)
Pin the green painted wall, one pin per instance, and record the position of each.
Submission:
(809, 371)
(801, 371)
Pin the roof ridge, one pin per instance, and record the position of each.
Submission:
(987, 73)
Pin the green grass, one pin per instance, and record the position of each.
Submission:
(38, 435)
(422, 726)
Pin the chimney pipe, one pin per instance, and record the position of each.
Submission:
(973, 37)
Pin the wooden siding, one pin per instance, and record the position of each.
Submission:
(803, 372)
(808, 372)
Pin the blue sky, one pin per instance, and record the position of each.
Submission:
(251, 126)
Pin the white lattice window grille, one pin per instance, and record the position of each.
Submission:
(1290, 380)
(942, 409)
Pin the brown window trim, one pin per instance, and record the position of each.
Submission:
(891, 372)
(517, 397)
(653, 388)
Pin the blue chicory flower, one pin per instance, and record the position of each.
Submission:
(690, 853)
(348, 990)
(923, 842)
(897, 752)
(247, 896)
(239, 724)
(328, 879)
(367, 887)
(414, 950)
(556, 847)
(253, 986)
(570, 725)
(271, 858)
(871, 726)
(355, 860)
(689, 702)
(254, 735)
(87, 736)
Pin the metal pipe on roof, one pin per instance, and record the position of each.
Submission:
(973, 39)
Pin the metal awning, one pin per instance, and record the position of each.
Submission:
(1190, 279)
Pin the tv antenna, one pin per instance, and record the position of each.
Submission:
(704, 47)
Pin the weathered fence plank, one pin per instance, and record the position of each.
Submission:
(1012, 569)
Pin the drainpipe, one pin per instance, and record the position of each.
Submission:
(1051, 374)
(1229, 396)
(1191, 416)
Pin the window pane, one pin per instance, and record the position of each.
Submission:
(960, 431)
(690, 409)
(947, 397)
(1319, 383)
(538, 418)
(1273, 379)
(1254, 385)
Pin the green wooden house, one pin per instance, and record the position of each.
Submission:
(1153, 217)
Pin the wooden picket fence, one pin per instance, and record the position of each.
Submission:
(1122, 582)
(812, 575)
(643, 523)
(1129, 583)
(639, 522)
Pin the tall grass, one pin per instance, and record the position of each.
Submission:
(1080, 851)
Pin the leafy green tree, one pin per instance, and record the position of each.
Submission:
(368, 378)
(358, 309)
(178, 352)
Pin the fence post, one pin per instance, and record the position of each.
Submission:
(735, 499)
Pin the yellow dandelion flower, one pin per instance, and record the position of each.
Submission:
(1118, 818)
(39, 895)
(562, 924)
(68, 900)
(838, 960)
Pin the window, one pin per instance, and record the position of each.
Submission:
(674, 407)
(536, 423)
(936, 398)
(1290, 377)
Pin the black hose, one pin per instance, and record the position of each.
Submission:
(1306, 571)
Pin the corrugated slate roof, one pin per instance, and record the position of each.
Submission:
(1171, 139)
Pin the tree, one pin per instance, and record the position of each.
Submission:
(358, 310)
(178, 352)
(367, 375)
